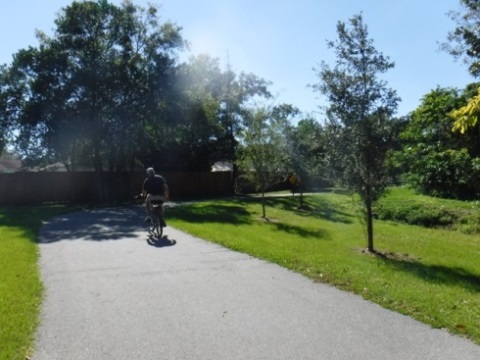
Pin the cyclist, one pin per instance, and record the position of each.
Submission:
(154, 188)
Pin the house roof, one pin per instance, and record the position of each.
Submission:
(222, 166)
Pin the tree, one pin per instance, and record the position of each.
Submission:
(437, 161)
(234, 113)
(211, 107)
(6, 109)
(97, 89)
(306, 142)
(464, 41)
(359, 114)
(263, 159)
(466, 116)
(198, 87)
(297, 145)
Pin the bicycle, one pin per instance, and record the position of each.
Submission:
(156, 224)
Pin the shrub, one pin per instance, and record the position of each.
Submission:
(416, 214)
(448, 173)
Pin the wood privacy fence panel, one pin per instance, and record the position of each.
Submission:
(38, 187)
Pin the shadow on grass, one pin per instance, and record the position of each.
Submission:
(27, 218)
(319, 234)
(315, 208)
(212, 213)
(30, 219)
(236, 213)
(436, 274)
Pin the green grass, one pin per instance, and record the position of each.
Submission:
(432, 275)
(20, 284)
(402, 205)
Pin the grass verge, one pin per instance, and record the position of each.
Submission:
(432, 275)
(402, 205)
(20, 284)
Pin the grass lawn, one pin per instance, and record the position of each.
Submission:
(20, 284)
(432, 275)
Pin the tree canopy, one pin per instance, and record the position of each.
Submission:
(464, 41)
(437, 161)
(107, 91)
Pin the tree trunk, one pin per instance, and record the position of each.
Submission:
(97, 165)
(301, 197)
(264, 214)
(368, 205)
(234, 178)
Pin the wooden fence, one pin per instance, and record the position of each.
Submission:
(38, 187)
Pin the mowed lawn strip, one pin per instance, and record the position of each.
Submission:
(20, 284)
(432, 275)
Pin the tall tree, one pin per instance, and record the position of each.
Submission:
(464, 41)
(234, 111)
(198, 84)
(437, 161)
(211, 110)
(5, 109)
(97, 87)
(359, 111)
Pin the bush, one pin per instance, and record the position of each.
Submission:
(426, 215)
(402, 205)
(449, 173)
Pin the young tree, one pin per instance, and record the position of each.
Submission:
(263, 158)
(359, 111)
(299, 142)
(306, 145)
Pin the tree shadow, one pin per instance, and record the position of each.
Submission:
(232, 214)
(320, 208)
(437, 274)
(94, 225)
(319, 234)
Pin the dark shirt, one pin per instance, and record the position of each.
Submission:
(154, 185)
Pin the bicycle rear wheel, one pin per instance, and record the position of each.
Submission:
(157, 226)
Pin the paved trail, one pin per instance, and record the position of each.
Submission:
(110, 294)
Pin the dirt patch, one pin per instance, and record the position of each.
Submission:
(385, 254)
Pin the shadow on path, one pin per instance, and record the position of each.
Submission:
(164, 241)
(94, 225)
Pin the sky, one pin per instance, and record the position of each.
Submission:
(282, 41)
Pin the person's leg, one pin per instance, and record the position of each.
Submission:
(147, 205)
(158, 198)
(163, 216)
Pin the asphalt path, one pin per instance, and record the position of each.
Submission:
(112, 293)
